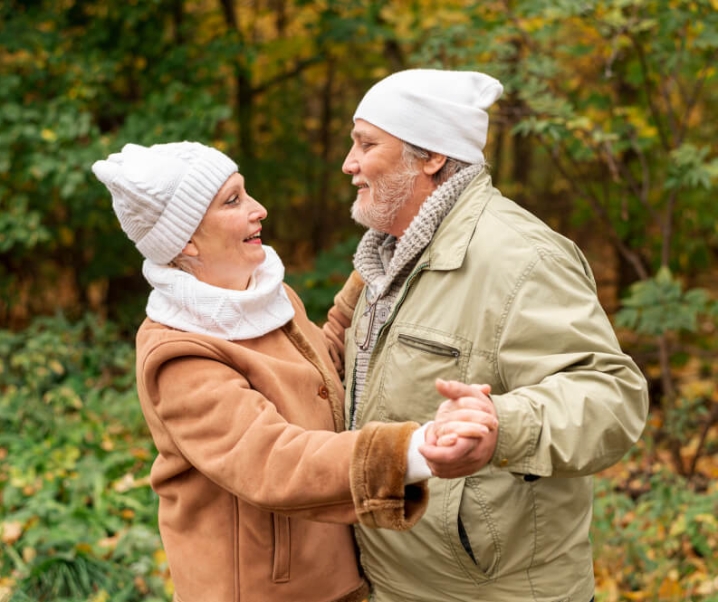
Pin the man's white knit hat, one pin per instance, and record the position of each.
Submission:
(439, 111)
(161, 193)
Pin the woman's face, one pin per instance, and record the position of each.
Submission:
(227, 246)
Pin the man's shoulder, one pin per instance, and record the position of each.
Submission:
(512, 224)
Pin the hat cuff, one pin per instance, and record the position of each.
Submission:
(183, 214)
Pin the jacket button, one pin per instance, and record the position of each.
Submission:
(504, 462)
(323, 392)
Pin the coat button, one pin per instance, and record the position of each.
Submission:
(323, 392)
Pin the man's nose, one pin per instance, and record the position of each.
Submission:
(350, 164)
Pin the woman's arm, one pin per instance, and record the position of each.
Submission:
(207, 412)
(339, 318)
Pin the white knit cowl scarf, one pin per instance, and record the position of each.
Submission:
(385, 262)
(181, 301)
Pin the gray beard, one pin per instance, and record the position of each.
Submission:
(389, 194)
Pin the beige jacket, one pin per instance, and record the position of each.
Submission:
(497, 297)
(256, 489)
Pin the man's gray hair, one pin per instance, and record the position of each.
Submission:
(411, 153)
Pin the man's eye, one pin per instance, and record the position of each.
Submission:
(366, 145)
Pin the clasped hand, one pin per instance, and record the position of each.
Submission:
(462, 438)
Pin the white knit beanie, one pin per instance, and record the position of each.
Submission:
(161, 193)
(440, 111)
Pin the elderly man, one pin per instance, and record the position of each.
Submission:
(462, 284)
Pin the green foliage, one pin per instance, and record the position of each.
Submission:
(617, 93)
(659, 546)
(659, 305)
(692, 167)
(317, 286)
(614, 98)
(80, 80)
(76, 502)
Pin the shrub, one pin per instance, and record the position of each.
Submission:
(77, 514)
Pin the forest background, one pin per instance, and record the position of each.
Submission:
(606, 130)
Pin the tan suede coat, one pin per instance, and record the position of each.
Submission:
(257, 490)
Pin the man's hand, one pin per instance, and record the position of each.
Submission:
(463, 436)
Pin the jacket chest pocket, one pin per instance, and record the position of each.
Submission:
(414, 358)
(427, 346)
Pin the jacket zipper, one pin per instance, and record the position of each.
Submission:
(430, 346)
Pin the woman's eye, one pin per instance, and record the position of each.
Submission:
(232, 200)
(366, 145)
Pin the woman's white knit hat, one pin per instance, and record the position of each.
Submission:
(161, 193)
(439, 111)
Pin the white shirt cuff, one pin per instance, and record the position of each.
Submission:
(416, 467)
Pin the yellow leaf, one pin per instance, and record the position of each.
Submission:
(708, 587)
(160, 556)
(124, 483)
(56, 367)
(5, 593)
(670, 587)
(101, 596)
(10, 531)
(48, 135)
(706, 518)
(678, 527)
(169, 587)
(109, 542)
(29, 554)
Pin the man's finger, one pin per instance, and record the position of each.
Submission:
(465, 405)
(471, 430)
(454, 388)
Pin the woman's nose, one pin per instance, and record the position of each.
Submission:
(258, 211)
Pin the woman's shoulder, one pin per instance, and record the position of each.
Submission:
(164, 342)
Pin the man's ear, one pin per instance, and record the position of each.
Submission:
(434, 163)
(190, 249)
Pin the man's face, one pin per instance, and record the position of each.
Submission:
(387, 197)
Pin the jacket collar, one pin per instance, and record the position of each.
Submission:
(451, 241)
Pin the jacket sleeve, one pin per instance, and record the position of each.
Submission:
(235, 437)
(340, 317)
(573, 402)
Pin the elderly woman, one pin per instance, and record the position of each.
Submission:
(242, 395)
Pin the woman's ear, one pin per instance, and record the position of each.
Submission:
(190, 249)
(434, 163)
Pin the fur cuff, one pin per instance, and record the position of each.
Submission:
(377, 478)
